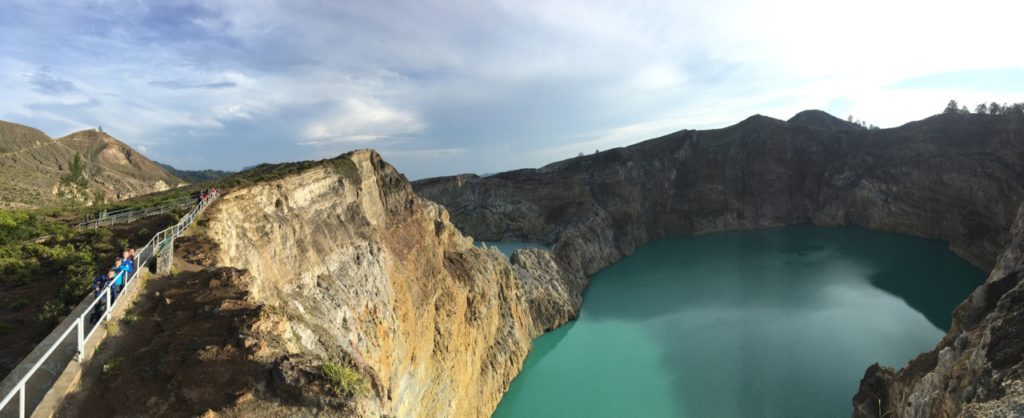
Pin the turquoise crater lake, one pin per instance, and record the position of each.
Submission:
(772, 323)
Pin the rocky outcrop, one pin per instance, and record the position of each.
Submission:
(371, 275)
(952, 177)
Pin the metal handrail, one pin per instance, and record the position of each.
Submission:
(143, 257)
(128, 214)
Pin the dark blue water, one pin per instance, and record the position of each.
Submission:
(772, 323)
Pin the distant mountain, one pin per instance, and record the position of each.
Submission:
(37, 171)
(196, 176)
(821, 120)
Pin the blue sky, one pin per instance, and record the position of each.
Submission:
(443, 87)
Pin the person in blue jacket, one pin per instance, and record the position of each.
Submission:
(118, 284)
(99, 283)
(127, 265)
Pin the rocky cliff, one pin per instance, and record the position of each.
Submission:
(360, 271)
(953, 177)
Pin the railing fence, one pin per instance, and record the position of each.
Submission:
(108, 218)
(79, 324)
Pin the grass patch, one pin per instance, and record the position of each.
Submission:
(344, 380)
(345, 167)
(111, 367)
(130, 318)
(19, 304)
(112, 329)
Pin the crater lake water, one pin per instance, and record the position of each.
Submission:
(771, 323)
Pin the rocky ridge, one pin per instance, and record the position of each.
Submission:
(954, 177)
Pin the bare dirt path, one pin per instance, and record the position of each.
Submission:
(178, 352)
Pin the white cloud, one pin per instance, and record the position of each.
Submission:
(355, 120)
(502, 82)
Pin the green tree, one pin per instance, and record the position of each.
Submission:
(982, 109)
(74, 184)
(952, 107)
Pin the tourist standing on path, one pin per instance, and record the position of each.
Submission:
(118, 278)
(127, 265)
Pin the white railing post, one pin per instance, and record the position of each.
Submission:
(21, 401)
(81, 338)
(106, 314)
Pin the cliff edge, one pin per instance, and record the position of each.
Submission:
(368, 272)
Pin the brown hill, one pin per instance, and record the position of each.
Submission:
(32, 166)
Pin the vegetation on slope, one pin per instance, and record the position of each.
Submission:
(341, 164)
(46, 268)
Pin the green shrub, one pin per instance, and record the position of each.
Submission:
(51, 313)
(345, 167)
(19, 271)
(130, 318)
(95, 235)
(112, 329)
(4, 328)
(143, 235)
(344, 380)
(111, 367)
(19, 304)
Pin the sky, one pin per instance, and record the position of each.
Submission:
(446, 87)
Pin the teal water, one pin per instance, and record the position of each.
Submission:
(772, 323)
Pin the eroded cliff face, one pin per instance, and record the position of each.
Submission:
(953, 177)
(365, 272)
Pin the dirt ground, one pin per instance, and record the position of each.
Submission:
(178, 351)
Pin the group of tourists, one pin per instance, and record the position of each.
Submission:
(124, 267)
(208, 194)
(115, 278)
